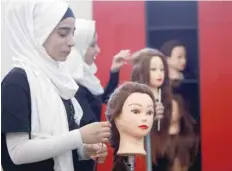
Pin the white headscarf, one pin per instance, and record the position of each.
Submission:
(30, 23)
(83, 73)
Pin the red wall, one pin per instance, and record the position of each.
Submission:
(215, 38)
(120, 25)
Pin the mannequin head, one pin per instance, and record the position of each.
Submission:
(138, 110)
(180, 116)
(175, 52)
(136, 56)
(130, 110)
(152, 68)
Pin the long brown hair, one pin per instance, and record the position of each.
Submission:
(114, 107)
(141, 74)
(183, 146)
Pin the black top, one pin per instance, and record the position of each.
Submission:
(91, 106)
(16, 117)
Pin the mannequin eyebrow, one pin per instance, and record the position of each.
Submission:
(137, 104)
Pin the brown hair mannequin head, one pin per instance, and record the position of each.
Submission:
(130, 110)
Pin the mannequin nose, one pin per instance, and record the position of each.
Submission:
(144, 118)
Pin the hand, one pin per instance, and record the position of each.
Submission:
(96, 132)
(95, 151)
(120, 59)
(159, 111)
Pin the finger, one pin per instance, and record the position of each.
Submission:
(100, 145)
(102, 155)
(159, 108)
(101, 160)
(95, 148)
(105, 124)
(102, 150)
(88, 146)
(158, 117)
(93, 157)
(124, 53)
(104, 140)
(160, 112)
(105, 130)
(105, 135)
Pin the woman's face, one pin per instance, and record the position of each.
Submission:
(61, 40)
(137, 115)
(178, 59)
(156, 72)
(92, 51)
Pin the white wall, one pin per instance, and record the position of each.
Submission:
(6, 61)
(82, 8)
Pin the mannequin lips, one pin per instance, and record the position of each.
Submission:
(143, 126)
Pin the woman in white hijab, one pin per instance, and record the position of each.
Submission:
(81, 65)
(83, 69)
(40, 115)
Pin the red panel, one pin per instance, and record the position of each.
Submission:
(120, 25)
(215, 23)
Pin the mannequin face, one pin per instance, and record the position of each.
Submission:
(156, 72)
(137, 116)
(92, 51)
(175, 112)
(178, 60)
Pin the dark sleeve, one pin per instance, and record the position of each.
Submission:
(15, 103)
(112, 84)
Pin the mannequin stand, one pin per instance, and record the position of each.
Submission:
(131, 163)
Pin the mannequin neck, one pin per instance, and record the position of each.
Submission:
(174, 128)
(155, 91)
(130, 145)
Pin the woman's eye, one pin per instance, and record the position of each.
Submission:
(63, 34)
